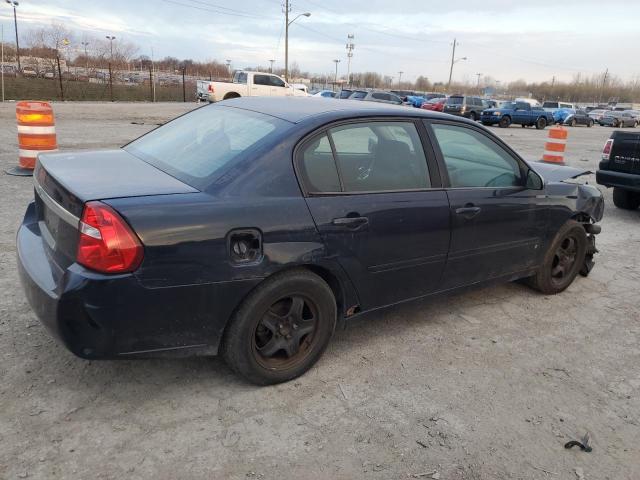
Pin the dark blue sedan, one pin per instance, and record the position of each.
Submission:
(251, 227)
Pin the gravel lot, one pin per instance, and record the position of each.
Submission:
(488, 384)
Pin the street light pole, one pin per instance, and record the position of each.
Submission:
(14, 4)
(335, 81)
(86, 57)
(111, 38)
(271, 67)
(453, 62)
(399, 78)
(287, 9)
(228, 63)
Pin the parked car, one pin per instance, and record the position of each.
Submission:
(520, 113)
(465, 106)
(29, 72)
(618, 120)
(579, 117)
(432, 95)
(597, 114)
(246, 84)
(435, 104)
(635, 114)
(620, 168)
(325, 94)
(376, 96)
(250, 227)
(50, 75)
(553, 106)
(300, 86)
(345, 93)
(415, 100)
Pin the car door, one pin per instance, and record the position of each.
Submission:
(378, 205)
(522, 113)
(497, 223)
(278, 87)
(261, 86)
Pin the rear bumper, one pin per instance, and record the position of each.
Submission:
(610, 178)
(114, 316)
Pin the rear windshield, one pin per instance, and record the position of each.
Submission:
(198, 147)
(550, 105)
(455, 100)
(358, 95)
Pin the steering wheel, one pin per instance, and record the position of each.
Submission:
(494, 182)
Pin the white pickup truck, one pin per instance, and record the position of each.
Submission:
(246, 84)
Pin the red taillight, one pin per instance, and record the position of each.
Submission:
(107, 244)
(606, 151)
(210, 88)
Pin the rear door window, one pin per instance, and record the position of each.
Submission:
(261, 80)
(380, 156)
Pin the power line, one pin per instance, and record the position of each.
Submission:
(204, 9)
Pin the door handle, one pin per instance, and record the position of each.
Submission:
(350, 222)
(468, 211)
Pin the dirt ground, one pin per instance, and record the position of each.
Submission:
(488, 384)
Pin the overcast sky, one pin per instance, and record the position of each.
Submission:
(505, 39)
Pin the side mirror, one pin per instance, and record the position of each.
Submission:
(534, 181)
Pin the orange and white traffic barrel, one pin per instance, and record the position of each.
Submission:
(36, 133)
(556, 145)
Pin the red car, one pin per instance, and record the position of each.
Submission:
(435, 104)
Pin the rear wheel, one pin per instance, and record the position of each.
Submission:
(574, 122)
(625, 199)
(473, 116)
(281, 329)
(541, 123)
(504, 122)
(563, 260)
(590, 123)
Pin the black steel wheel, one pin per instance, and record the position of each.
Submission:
(281, 329)
(541, 123)
(563, 260)
(504, 122)
(626, 199)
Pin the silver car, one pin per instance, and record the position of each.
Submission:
(376, 96)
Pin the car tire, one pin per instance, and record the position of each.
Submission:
(541, 123)
(625, 199)
(487, 124)
(264, 341)
(523, 125)
(504, 122)
(473, 117)
(562, 261)
(574, 122)
(590, 123)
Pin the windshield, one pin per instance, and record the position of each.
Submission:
(197, 147)
(550, 105)
(455, 100)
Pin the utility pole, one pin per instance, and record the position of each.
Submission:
(335, 81)
(14, 4)
(453, 56)
(287, 10)
(478, 75)
(399, 78)
(228, 62)
(604, 83)
(350, 47)
(271, 67)
(2, 58)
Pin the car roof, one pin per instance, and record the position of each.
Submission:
(298, 109)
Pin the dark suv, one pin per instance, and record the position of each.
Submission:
(620, 168)
(462, 105)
